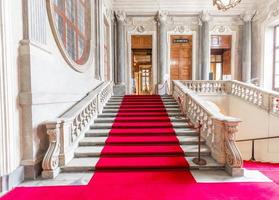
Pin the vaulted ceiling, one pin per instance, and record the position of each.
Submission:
(179, 7)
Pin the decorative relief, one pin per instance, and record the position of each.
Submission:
(51, 159)
(275, 12)
(205, 16)
(220, 29)
(162, 16)
(233, 155)
(140, 24)
(120, 15)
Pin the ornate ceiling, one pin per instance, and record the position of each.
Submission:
(180, 7)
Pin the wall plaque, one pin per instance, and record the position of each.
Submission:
(182, 40)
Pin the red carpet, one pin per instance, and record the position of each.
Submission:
(142, 160)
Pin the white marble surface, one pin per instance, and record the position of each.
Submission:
(220, 176)
(60, 180)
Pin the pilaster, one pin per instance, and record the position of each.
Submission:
(119, 89)
(205, 45)
(162, 18)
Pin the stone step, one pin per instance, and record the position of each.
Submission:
(95, 151)
(142, 106)
(109, 115)
(119, 102)
(105, 132)
(173, 110)
(89, 164)
(111, 120)
(144, 100)
(97, 141)
(144, 125)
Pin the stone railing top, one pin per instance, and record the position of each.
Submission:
(204, 105)
(260, 97)
(75, 110)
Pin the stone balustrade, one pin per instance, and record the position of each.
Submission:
(264, 99)
(65, 132)
(218, 130)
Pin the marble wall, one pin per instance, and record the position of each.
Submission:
(40, 85)
(183, 25)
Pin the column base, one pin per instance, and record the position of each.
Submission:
(235, 172)
(162, 89)
(119, 90)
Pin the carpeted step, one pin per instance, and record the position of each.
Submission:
(123, 151)
(140, 140)
(140, 110)
(139, 119)
(141, 106)
(140, 125)
(142, 163)
(177, 131)
(144, 114)
(142, 103)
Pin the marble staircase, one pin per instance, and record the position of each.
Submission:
(90, 147)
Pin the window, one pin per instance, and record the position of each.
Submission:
(71, 19)
(276, 59)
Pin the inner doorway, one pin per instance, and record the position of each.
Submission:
(220, 57)
(181, 57)
(142, 64)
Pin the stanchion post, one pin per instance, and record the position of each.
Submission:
(198, 160)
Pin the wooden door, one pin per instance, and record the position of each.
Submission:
(181, 57)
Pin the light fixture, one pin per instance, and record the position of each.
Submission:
(225, 4)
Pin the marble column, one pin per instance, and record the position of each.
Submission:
(205, 46)
(163, 52)
(247, 49)
(119, 88)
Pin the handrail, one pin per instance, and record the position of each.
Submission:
(66, 131)
(253, 144)
(77, 106)
(217, 129)
(255, 139)
(267, 100)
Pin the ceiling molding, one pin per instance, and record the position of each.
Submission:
(180, 7)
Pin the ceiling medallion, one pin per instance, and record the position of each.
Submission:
(225, 4)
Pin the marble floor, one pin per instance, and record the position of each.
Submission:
(61, 179)
(201, 176)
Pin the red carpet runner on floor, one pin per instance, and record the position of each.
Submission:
(142, 160)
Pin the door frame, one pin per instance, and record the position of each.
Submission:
(129, 80)
(194, 52)
(226, 30)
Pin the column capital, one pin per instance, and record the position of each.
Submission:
(120, 15)
(248, 16)
(205, 16)
(162, 16)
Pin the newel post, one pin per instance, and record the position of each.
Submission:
(223, 146)
(51, 167)
(234, 159)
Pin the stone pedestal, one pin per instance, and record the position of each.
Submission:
(235, 172)
(119, 90)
